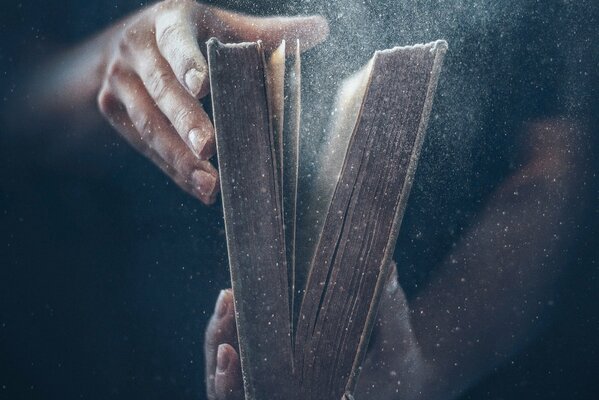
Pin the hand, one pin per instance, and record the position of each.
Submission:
(221, 351)
(153, 73)
(486, 300)
(392, 349)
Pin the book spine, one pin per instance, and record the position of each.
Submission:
(253, 216)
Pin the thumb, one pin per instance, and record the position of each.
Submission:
(235, 27)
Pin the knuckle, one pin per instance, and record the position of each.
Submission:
(105, 101)
(114, 70)
(166, 33)
(134, 35)
(145, 128)
(167, 151)
(158, 83)
(131, 34)
(180, 161)
(181, 118)
(116, 74)
(124, 47)
(138, 32)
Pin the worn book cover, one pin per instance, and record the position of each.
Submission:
(307, 289)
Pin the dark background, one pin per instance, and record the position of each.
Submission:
(108, 272)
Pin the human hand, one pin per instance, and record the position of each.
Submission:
(393, 351)
(221, 352)
(153, 73)
(472, 314)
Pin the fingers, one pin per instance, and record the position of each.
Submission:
(228, 26)
(199, 177)
(221, 330)
(228, 382)
(182, 110)
(176, 38)
(116, 114)
(157, 71)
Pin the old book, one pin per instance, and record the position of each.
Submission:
(307, 288)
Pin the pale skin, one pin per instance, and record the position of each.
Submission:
(147, 72)
(488, 299)
(145, 75)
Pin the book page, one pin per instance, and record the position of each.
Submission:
(361, 223)
(251, 197)
(290, 170)
(275, 82)
(327, 167)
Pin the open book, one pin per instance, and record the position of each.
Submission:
(307, 285)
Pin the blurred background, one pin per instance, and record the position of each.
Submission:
(109, 272)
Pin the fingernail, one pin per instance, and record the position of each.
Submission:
(198, 140)
(194, 80)
(222, 358)
(222, 305)
(204, 182)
